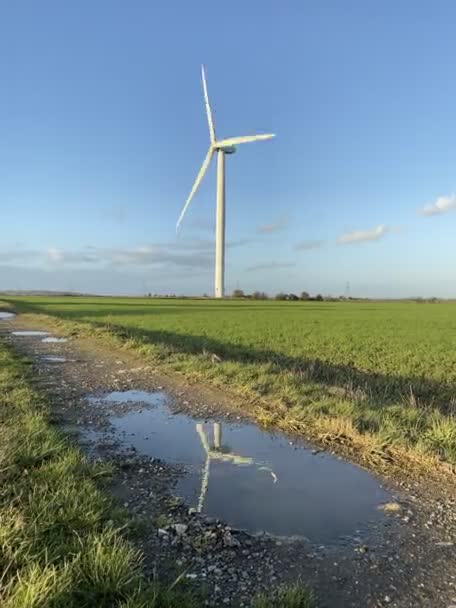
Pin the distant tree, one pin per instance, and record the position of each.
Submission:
(238, 293)
(304, 295)
(280, 296)
(319, 298)
(292, 297)
(259, 295)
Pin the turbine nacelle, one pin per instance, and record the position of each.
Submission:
(225, 149)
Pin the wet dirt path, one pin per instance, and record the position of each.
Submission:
(405, 558)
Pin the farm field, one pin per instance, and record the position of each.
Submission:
(377, 376)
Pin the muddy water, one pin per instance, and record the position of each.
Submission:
(53, 359)
(252, 479)
(5, 316)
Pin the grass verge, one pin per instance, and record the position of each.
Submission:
(60, 545)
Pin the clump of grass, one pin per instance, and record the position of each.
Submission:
(292, 596)
(108, 568)
(38, 586)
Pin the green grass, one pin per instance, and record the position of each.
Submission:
(377, 376)
(293, 596)
(59, 547)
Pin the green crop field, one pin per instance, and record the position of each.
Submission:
(375, 372)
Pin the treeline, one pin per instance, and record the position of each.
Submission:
(281, 296)
(303, 297)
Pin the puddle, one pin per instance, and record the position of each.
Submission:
(131, 397)
(30, 333)
(53, 359)
(53, 339)
(254, 480)
(6, 315)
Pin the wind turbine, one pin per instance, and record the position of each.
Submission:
(221, 147)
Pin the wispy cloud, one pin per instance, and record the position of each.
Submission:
(18, 255)
(361, 236)
(154, 255)
(60, 256)
(307, 245)
(442, 205)
(270, 266)
(276, 226)
(188, 254)
(184, 254)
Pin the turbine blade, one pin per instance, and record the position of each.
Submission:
(198, 179)
(210, 121)
(243, 139)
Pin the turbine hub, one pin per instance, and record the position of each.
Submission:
(228, 149)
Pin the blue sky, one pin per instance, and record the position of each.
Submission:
(103, 131)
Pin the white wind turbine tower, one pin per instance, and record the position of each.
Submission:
(222, 147)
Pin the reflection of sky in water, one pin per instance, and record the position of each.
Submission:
(53, 339)
(6, 315)
(30, 333)
(285, 491)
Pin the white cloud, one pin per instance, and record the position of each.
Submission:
(441, 205)
(55, 255)
(156, 255)
(360, 236)
(60, 256)
(183, 254)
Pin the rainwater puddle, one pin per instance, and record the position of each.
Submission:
(53, 359)
(4, 316)
(254, 480)
(53, 339)
(143, 397)
(30, 333)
